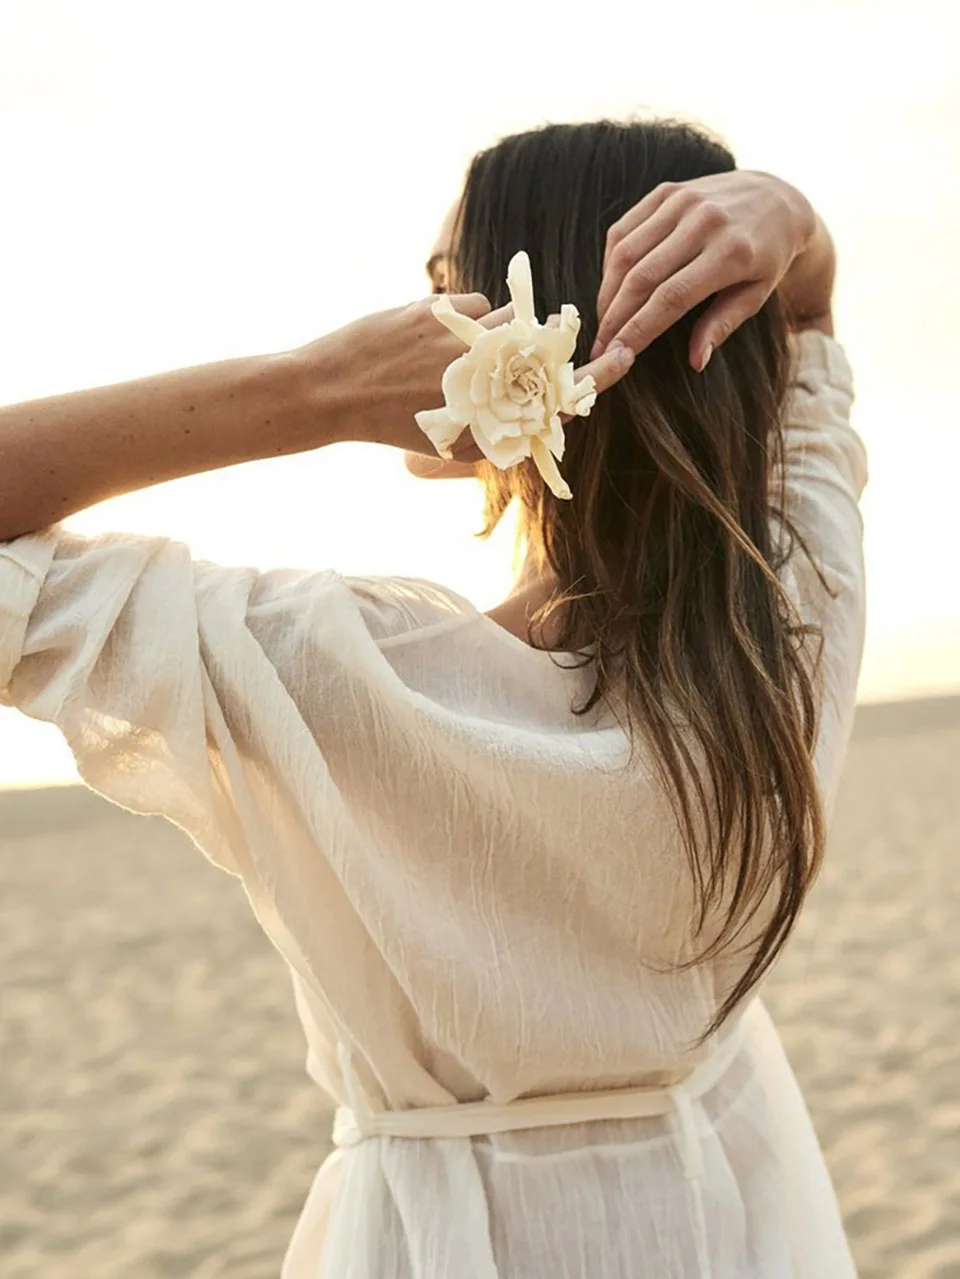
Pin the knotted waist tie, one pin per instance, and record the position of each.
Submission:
(361, 1120)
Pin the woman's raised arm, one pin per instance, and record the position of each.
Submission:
(61, 454)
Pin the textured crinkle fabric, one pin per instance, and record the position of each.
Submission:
(471, 892)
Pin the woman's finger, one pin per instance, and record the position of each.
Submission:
(642, 210)
(713, 270)
(475, 305)
(674, 298)
(430, 467)
(629, 251)
(655, 265)
(465, 452)
(493, 320)
(609, 368)
(726, 314)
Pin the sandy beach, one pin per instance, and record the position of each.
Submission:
(157, 1121)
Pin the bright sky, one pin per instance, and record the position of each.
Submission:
(199, 179)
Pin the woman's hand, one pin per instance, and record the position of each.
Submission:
(734, 234)
(384, 368)
(390, 366)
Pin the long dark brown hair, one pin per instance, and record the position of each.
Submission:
(667, 558)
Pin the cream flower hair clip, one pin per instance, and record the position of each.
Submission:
(512, 385)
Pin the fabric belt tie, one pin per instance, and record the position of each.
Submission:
(361, 1120)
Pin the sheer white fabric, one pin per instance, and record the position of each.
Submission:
(472, 895)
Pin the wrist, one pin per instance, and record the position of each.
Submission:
(800, 214)
(804, 218)
(313, 386)
(807, 288)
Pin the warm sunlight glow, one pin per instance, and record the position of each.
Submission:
(188, 182)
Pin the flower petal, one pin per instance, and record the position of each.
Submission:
(480, 388)
(550, 399)
(440, 429)
(554, 437)
(520, 284)
(585, 395)
(507, 452)
(524, 333)
(547, 466)
(555, 346)
(566, 389)
(461, 326)
(505, 409)
(456, 385)
(491, 342)
(487, 423)
(569, 319)
(575, 397)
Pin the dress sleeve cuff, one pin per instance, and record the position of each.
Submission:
(820, 360)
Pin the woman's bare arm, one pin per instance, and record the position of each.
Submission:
(61, 454)
(365, 382)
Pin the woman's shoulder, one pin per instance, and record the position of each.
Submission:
(389, 606)
(397, 607)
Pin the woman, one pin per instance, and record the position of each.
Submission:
(510, 858)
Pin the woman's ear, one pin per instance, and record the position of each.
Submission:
(437, 468)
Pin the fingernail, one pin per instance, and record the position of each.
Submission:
(626, 353)
(706, 356)
(596, 350)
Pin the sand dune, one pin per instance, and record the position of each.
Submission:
(157, 1122)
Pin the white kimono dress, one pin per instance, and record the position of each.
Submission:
(478, 904)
